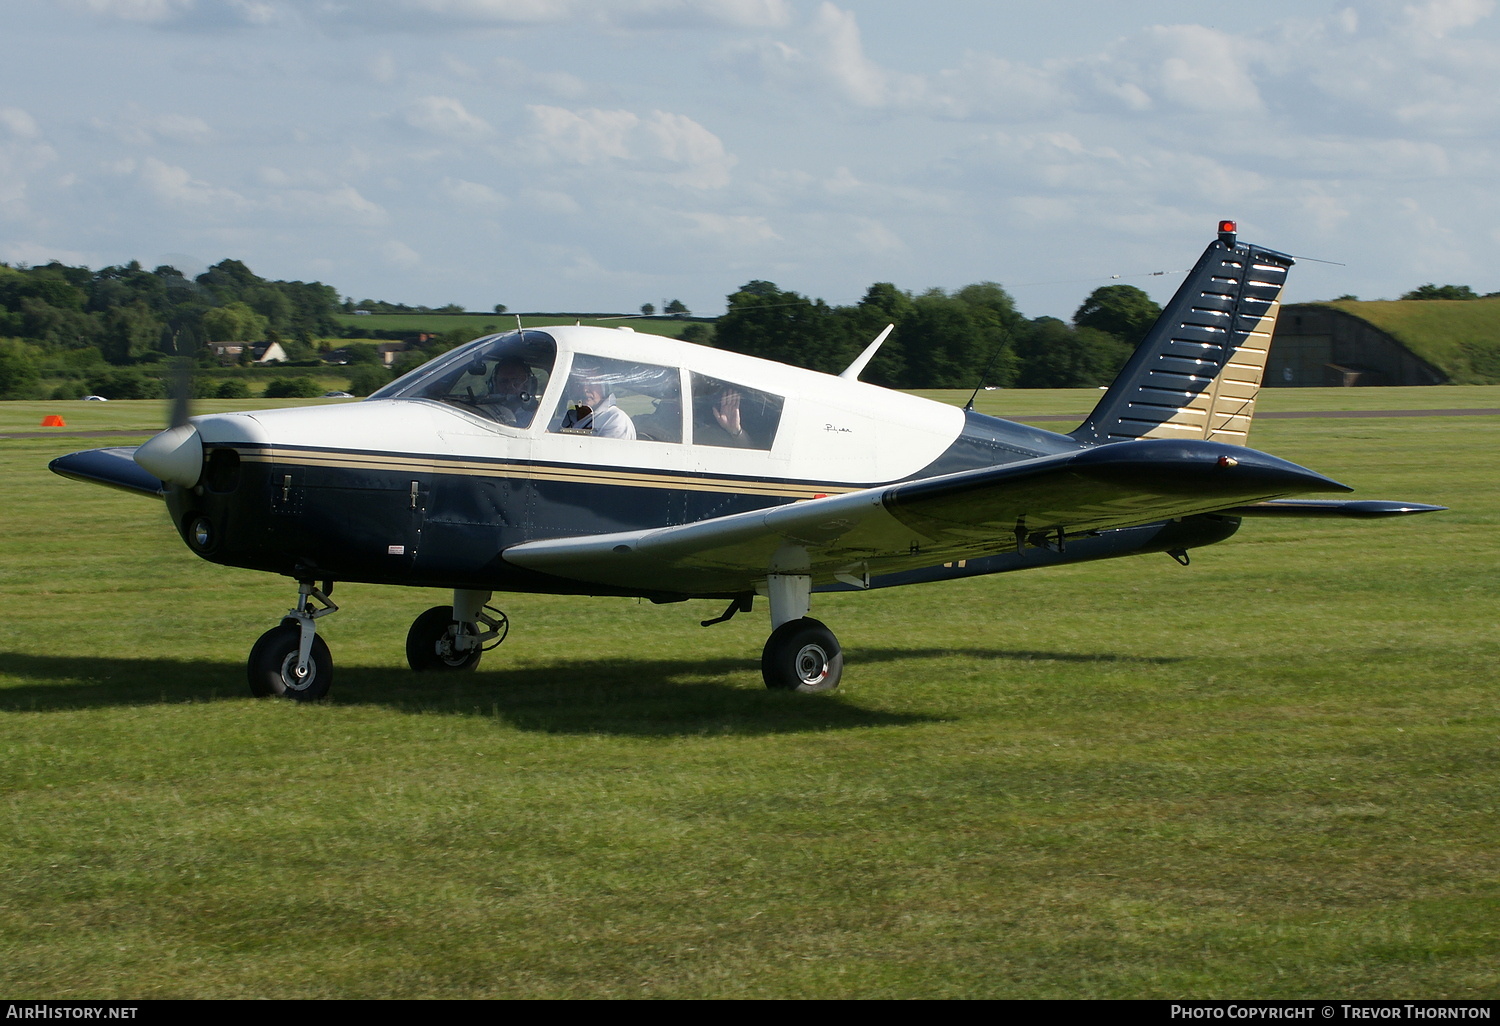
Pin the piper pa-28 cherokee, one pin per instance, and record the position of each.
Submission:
(598, 461)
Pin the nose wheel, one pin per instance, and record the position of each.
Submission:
(276, 668)
(290, 660)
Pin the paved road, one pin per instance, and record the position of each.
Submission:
(1030, 418)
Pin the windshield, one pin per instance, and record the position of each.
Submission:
(501, 377)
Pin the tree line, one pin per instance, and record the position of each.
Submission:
(941, 339)
(107, 327)
(107, 331)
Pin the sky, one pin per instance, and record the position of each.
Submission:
(595, 155)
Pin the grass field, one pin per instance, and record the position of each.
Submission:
(1271, 774)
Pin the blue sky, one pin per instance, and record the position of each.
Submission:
(588, 155)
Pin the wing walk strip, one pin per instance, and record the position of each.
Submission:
(537, 472)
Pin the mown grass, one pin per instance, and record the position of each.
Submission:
(1270, 774)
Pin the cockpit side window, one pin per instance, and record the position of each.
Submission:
(610, 398)
(733, 416)
(501, 377)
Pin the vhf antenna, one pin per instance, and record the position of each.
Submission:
(969, 406)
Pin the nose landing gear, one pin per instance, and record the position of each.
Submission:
(290, 660)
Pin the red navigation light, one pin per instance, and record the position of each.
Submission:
(1228, 226)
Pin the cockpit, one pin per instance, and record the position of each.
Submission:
(501, 377)
(504, 377)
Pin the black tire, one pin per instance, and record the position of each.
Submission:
(427, 632)
(802, 655)
(273, 665)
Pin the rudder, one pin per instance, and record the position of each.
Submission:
(1198, 370)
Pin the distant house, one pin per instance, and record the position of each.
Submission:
(390, 350)
(227, 353)
(268, 352)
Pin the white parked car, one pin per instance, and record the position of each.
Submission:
(95, 399)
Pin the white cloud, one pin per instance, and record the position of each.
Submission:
(550, 202)
(134, 127)
(732, 231)
(1440, 17)
(136, 10)
(399, 254)
(446, 117)
(18, 123)
(517, 76)
(176, 187)
(473, 194)
(342, 203)
(673, 145)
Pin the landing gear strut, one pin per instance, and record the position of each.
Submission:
(802, 654)
(290, 660)
(450, 638)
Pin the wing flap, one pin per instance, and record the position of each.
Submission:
(922, 523)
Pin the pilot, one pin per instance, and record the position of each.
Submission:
(512, 388)
(725, 429)
(597, 413)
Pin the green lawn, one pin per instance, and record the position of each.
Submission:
(1270, 774)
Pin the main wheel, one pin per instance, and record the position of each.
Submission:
(802, 655)
(273, 665)
(430, 643)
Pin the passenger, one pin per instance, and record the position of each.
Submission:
(726, 428)
(598, 412)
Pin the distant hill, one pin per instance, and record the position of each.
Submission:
(1461, 337)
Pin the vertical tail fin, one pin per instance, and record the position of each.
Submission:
(1197, 372)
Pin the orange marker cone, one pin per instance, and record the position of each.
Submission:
(53, 420)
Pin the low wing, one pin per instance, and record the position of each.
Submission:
(114, 467)
(934, 520)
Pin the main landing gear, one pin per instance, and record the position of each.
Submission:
(291, 661)
(448, 638)
(801, 654)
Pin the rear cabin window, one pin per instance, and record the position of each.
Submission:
(733, 416)
(620, 399)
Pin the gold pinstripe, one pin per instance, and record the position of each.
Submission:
(532, 471)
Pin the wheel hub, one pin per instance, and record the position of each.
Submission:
(812, 664)
(295, 678)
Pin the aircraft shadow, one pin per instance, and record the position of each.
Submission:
(608, 696)
(625, 697)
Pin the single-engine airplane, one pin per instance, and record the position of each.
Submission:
(599, 461)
